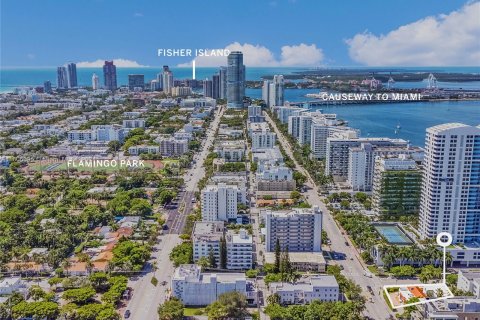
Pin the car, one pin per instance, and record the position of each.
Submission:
(347, 244)
(127, 314)
(164, 283)
(368, 274)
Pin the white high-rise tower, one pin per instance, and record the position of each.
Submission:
(450, 200)
(95, 83)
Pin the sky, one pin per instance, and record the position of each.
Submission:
(280, 33)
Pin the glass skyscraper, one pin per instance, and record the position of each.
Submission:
(110, 75)
(72, 75)
(235, 80)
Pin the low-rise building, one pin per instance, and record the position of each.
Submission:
(196, 288)
(137, 150)
(458, 308)
(317, 288)
(469, 281)
(10, 285)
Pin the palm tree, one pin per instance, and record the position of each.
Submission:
(66, 264)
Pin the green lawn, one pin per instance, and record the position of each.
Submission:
(188, 312)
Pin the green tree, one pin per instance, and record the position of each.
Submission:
(278, 257)
(80, 295)
(38, 310)
(171, 310)
(229, 305)
(223, 253)
(211, 259)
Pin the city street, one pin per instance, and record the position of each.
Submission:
(147, 297)
(353, 267)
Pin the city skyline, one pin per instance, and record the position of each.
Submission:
(375, 35)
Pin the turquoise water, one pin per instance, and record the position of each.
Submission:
(393, 234)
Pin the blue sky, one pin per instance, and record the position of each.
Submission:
(50, 33)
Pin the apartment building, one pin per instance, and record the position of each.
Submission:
(219, 202)
(397, 185)
(361, 162)
(172, 147)
(196, 288)
(298, 228)
(317, 288)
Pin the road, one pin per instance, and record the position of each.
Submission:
(147, 297)
(353, 267)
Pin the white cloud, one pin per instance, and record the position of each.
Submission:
(31, 56)
(138, 15)
(451, 39)
(261, 56)
(119, 63)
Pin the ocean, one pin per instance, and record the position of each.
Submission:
(374, 120)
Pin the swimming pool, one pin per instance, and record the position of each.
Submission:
(393, 234)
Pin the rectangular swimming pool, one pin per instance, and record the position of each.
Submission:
(393, 234)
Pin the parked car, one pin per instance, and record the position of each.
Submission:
(127, 314)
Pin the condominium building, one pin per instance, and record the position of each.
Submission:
(239, 250)
(284, 112)
(235, 80)
(231, 150)
(254, 111)
(469, 282)
(206, 238)
(317, 288)
(108, 132)
(196, 288)
(273, 91)
(219, 202)
(134, 123)
(261, 135)
(450, 191)
(397, 185)
(324, 129)
(167, 80)
(95, 82)
(299, 229)
(136, 82)
(173, 147)
(180, 91)
(458, 308)
(62, 78)
(236, 179)
(361, 162)
(110, 75)
(139, 149)
(72, 75)
(97, 133)
(338, 153)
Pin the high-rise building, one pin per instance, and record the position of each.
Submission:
(110, 75)
(136, 81)
(266, 92)
(167, 80)
(47, 87)
(276, 91)
(159, 81)
(299, 229)
(219, 202)
(216, 86)
(450, 199)
(95, 82)
(235, 80)
(62, 78)
(72, 75)
(223, 83)
(154, 85)
(397, 185)
(207, 88)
